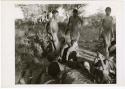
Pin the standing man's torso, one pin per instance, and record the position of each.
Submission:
(107, 23)
(75, 25)
(54, 25)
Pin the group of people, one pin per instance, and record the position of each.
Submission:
(71, 35)
(69, 50)
(75, 24)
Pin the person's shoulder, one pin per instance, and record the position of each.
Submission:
(104, 17)
(71, 17)
(111, 17)
(107, 17)
(79, 17)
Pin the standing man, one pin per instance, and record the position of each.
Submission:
(54, 29)
(107, 33)
(74, 25)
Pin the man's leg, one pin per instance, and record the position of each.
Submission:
(107, 45)
(107, 52)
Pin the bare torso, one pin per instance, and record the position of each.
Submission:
(75, 22)
(54, 25)
(107, 24)
(54, 31)
(74, 26)
(107, 33)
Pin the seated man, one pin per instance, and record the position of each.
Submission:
(69, 51)
(64, 50)
(72, 51)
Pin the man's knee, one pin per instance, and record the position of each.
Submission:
(107, 45)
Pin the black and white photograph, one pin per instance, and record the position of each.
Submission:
(65, 44)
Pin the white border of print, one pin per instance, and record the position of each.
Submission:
(8, 44)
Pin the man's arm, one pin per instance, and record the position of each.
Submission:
(67, 27)
(81, 20)
(69, 21)
(51, 28)
(68, 53)
(62, 51)
(112, 28)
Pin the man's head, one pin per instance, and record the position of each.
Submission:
(75, 12)
(55, 13)
(108, 10)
